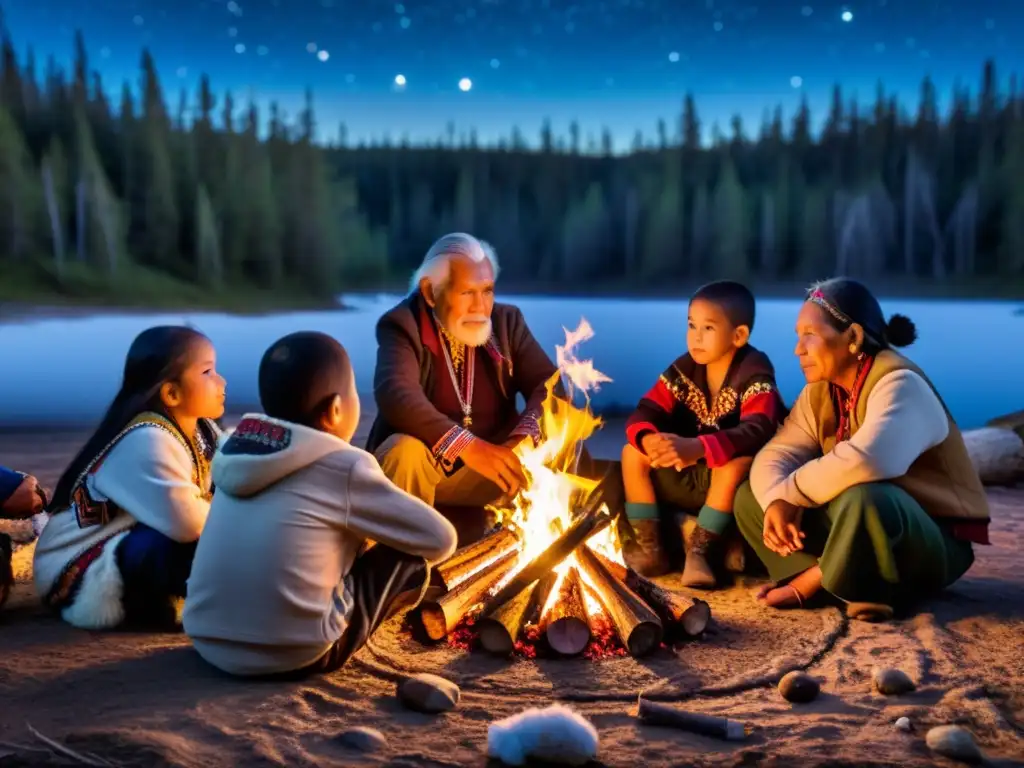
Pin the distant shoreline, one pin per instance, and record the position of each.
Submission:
(16, 312)
(885, 289)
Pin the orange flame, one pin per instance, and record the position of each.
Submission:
(543, 509)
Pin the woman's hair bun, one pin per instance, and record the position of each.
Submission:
(900, 331)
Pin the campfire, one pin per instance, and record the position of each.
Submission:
(551, 576)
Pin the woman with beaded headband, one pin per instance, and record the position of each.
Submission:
(867, 491)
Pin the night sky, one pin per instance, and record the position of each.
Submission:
(616, 63)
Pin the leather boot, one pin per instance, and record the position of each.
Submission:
(697, 571)
(646, 556)
(735, 556)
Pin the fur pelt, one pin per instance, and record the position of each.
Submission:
(99, 602)
(555, 734)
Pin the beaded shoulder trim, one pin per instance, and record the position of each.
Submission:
(153, 419)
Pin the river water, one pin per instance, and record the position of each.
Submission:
(65, 370)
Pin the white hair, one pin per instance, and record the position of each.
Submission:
(437, 264)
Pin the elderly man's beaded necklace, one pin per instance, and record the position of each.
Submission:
(459, 360)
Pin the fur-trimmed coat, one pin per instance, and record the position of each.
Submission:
(149, 477)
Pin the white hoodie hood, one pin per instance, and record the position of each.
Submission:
(262, 451)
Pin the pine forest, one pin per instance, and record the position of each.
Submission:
(208, 192)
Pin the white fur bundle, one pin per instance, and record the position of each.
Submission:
(555, 734)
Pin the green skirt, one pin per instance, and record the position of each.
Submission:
(874, 544)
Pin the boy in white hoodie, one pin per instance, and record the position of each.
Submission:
(282, 583)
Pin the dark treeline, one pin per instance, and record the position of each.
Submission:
(215, 193)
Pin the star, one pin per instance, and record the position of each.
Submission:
(847, 16)
(465, 84)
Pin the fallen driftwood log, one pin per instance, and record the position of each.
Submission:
(997, 452)
(1014, 421)
(693, 722)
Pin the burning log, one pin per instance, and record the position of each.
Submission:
(541, 593)
(638, 626)
(551, 557)
(690, 614)
(472, 558)
(566, 625)
(499, 630)
(440, 616)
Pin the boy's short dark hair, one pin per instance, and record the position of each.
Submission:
(299, 375)
(735, 300)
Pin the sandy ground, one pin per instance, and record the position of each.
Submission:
(149, 700)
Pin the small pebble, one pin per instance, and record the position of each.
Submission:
(799, 687)
(362, 739)
(892, 682)
(428, 693)
(904, 724)
(954, 742)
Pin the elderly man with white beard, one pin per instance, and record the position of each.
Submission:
(450, 363)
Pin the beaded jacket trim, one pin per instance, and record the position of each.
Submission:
(685, 391)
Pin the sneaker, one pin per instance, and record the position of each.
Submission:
(646, 555)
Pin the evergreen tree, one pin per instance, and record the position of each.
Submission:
(157, 220)
(364, 256)
(585, 237)
(1011, 249)
(230, 196)
(100, 219)
(663, 240)
(20, 193)
(729, 213)
(465, 201)
(58, 199)
(209, 261)
(815, 249)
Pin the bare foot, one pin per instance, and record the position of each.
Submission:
(785, 596)
(794, 594)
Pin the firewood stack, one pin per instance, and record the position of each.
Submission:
(641, 612)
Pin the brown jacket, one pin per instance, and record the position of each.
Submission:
(406, 345)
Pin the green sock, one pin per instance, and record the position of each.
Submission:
(714, 520)
(637, 511)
